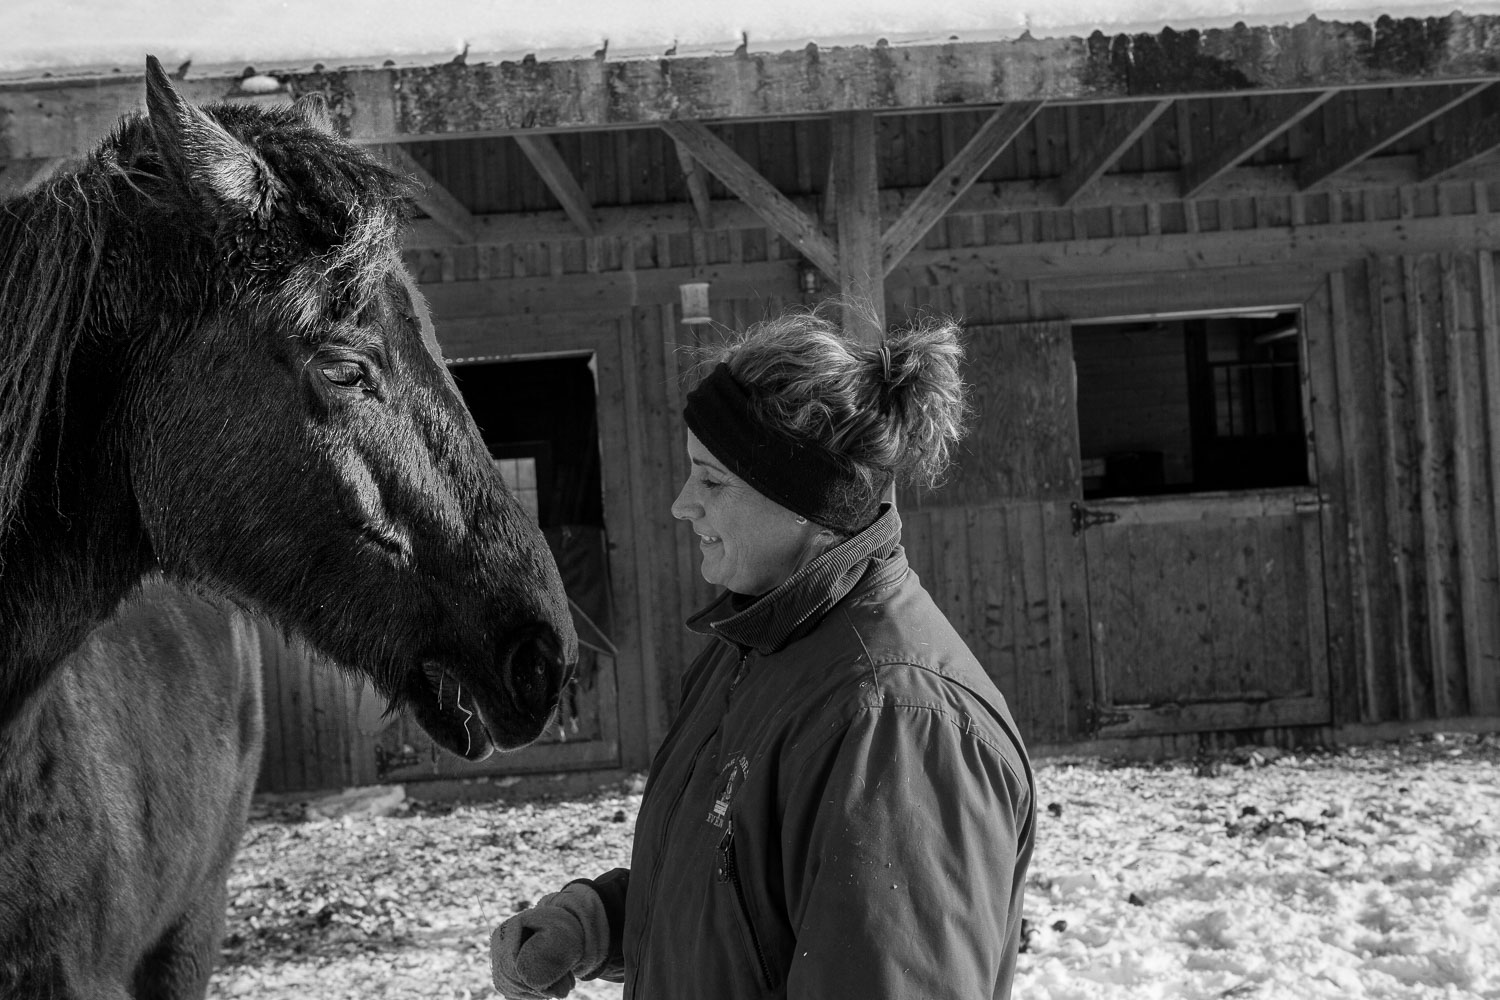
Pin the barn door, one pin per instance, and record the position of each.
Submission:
(993, 546)
(1205, 612)
(1203, 556)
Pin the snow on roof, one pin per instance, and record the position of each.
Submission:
(70, 37)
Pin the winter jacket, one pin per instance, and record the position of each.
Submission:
(842, 808)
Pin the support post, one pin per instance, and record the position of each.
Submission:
(861, 263)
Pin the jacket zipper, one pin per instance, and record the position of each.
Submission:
(661, 841)
(739, 672)
(730, 872)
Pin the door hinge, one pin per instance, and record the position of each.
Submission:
(1084, 518)
(1308, 504)
(1099, 716)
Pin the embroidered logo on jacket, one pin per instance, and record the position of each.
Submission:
(731, 776)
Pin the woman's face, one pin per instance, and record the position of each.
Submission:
(750, 544)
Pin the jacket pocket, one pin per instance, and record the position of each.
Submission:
(728, 874)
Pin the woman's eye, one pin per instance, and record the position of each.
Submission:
(344, 373)
(709, 484)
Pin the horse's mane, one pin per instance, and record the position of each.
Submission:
(81, 253)
(50, 253)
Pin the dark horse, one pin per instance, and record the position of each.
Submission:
(218, 384)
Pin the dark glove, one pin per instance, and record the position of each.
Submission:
(537, 953)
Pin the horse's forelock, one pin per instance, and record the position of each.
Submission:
(327, 289)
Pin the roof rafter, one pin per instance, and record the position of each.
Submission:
(1470, 131)
(437, 201)
(1123, 127)
(774, 208)
(956, 177)
(1398, 115)
(1264, 122)
(983, 198)
(544, 157)
(697, 186)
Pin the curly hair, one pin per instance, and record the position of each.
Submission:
(898, 407)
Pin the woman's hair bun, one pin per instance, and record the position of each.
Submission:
(890, 409)
(925, 394)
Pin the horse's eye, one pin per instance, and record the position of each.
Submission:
(348, 374)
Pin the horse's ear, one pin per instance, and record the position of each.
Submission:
(213, 160)
(314, 110)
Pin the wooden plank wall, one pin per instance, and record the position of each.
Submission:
(1002, 574)
(1415, 353)
(312, 737)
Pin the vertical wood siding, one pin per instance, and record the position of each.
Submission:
(1418, 373)
(1000, 573)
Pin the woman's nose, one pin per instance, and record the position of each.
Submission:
(683, 508)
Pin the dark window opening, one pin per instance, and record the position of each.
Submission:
(543, 411)
(539, 419)
(1190, 405)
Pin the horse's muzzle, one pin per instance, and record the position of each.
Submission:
(533, 674)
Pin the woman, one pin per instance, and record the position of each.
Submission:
(843, 807)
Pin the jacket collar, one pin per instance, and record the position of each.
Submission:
(772, 620)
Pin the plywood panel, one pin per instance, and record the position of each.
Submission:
(1199, 607)
(1023, 438)
(993, 575)
(952, 552)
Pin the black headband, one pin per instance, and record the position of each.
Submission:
(798, 473)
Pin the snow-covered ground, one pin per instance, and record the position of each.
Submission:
(1374, 873)
(1370, 872)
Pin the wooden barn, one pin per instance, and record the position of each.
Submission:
(1230, 301)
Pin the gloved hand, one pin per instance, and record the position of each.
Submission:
(537, 953)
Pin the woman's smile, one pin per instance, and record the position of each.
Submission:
(755, 543)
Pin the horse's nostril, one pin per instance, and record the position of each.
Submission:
(535, 673)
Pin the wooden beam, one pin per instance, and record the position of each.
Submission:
(437, 201)
(1330, 245)
(1055, 266)
(1400, 114)
(604, 291)
(1124, 124)
(1265, 121)
(65, 116)
(827, 209)
(697, 186)
(19, 176)
(956, 177)
(775, 208)
(1468, 133)
(984, 198)
(860, 274)
(544, 157)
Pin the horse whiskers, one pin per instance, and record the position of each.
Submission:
(468, 715)
(458, 700)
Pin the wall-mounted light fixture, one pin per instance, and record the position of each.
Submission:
(809, 278)
(695, 302)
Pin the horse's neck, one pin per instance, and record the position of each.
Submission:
(60, 577)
